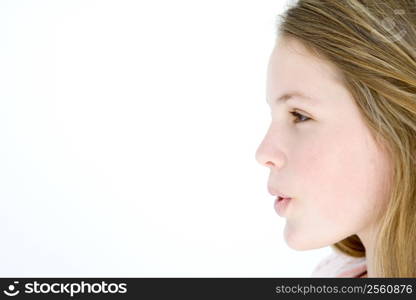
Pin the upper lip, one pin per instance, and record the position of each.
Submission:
(275, 192)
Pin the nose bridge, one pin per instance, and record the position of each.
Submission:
(269, 153)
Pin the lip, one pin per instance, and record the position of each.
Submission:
(281, 202)
(275, 192)
(281, 205)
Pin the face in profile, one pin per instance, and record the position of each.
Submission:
(320, 152)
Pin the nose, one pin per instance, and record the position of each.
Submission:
(268, 152)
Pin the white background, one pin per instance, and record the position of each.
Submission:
(128, 132)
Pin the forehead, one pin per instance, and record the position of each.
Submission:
(293, 68)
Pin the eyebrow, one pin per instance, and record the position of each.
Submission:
(290, 95)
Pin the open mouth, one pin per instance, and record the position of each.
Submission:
(281, 204)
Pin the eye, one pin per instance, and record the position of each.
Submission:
(299, 117)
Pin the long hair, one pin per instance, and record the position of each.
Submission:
(373, 44)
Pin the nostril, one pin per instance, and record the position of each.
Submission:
(269, 164)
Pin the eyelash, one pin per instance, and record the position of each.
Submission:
(296, 114)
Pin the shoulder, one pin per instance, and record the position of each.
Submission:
(338, 264)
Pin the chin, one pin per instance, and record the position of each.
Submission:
(300, 242)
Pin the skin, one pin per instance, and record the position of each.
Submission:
(330, 165)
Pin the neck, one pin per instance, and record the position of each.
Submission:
(367, 237)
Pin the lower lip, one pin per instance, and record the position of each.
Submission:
(281, 205)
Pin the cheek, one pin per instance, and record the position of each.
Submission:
(338, 193)
(340, 178)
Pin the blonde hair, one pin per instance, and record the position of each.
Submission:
(373, 44)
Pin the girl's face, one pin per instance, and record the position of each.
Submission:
(325, 159)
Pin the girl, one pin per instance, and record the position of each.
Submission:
(341, 86)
